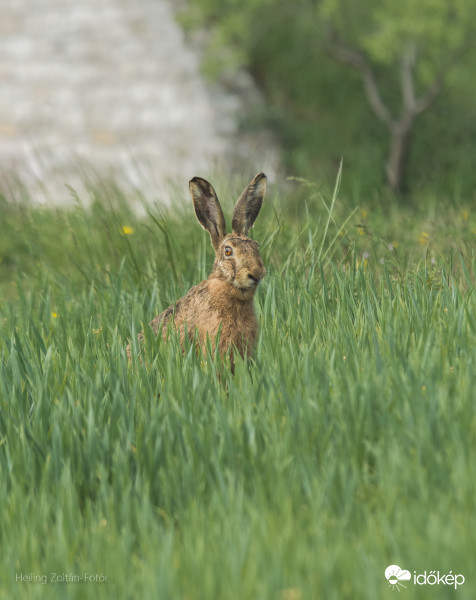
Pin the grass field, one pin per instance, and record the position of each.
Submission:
(346, 446)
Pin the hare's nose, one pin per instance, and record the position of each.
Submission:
(253, 279)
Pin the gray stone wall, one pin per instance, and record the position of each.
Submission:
(113, 87)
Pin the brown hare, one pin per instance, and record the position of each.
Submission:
(223, 304)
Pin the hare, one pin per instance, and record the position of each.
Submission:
(221, 307)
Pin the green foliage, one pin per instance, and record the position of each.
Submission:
(319, 108)
(439, 30)
(345, 446)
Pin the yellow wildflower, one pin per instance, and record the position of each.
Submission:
(127, 230)
(424, 238)
(291, 594)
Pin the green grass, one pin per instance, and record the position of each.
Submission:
(347, 445)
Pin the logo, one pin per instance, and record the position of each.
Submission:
(395, 576)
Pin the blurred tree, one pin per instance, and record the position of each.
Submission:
(403, 54)
(417, 44)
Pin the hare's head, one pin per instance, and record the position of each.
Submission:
(238, 260)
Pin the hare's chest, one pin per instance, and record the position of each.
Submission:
(225, 315)
(240, 329)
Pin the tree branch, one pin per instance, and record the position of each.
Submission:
(428, 98)
(374, 98)
(353, 58)
(412, 105)
(406, 77)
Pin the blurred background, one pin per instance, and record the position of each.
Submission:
(113, 88)
(156, 91)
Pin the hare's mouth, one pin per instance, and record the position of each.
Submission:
(248, 284)
(253, 281)
(247, 279)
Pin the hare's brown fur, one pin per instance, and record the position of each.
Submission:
(223, 304)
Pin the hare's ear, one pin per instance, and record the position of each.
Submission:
(249, 204)
(208, 209)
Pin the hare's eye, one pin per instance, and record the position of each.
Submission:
(228, 251)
